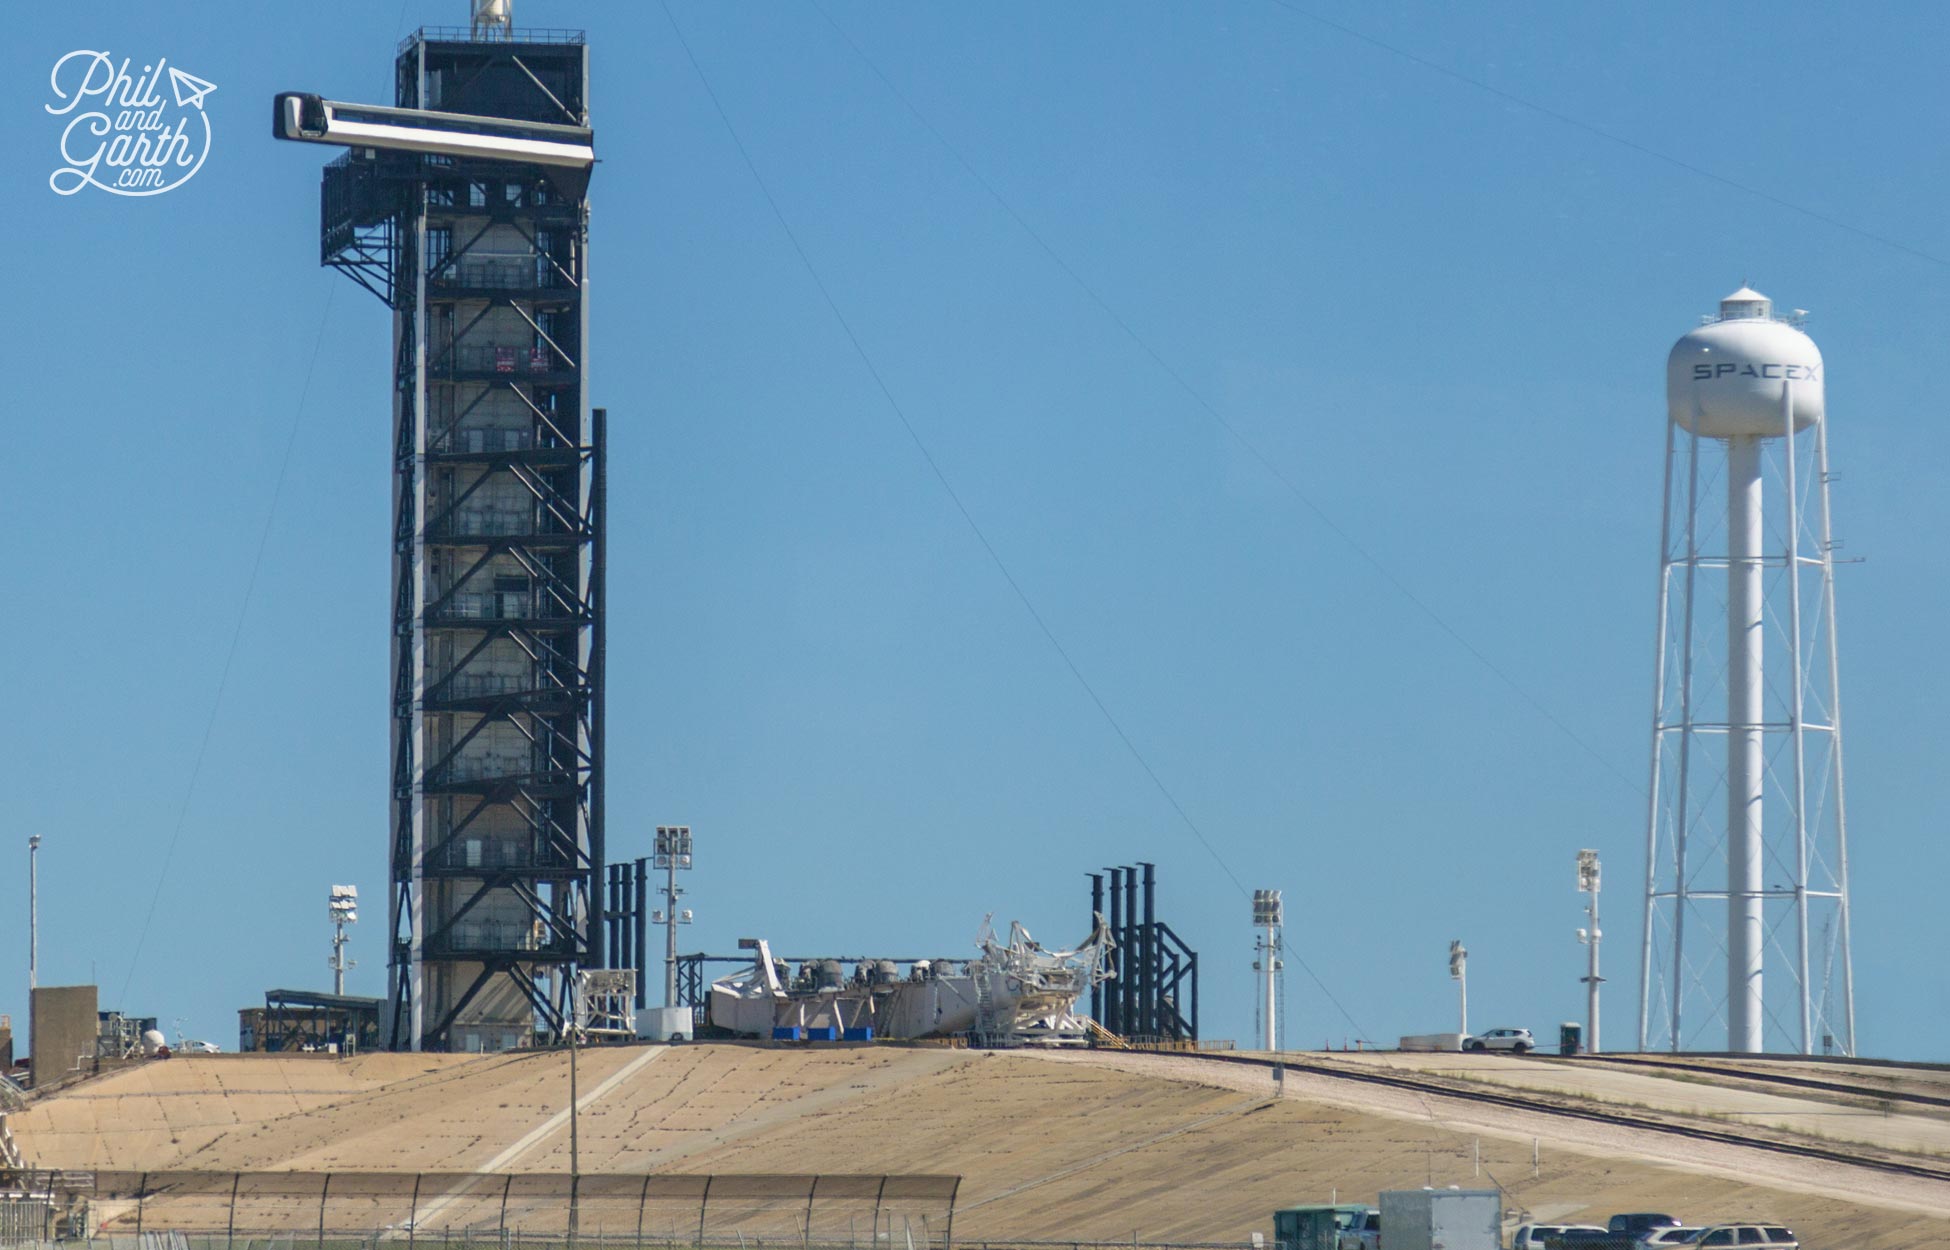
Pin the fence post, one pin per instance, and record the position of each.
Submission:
(503, 1228)
(323, 1190)
(141, 1186)
(873, 1240)
(811, 1193)
(703, 1205)
(642, 1200)
(948, 1238)
(230, 1227)
(413, 1213)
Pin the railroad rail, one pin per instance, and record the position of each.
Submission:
(1539, 1105)
(1870, 1093)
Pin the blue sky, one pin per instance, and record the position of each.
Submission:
(1441, 313)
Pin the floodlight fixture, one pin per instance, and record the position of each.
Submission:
(1587, 872)
(673, 847)
(305, 118)
(1267, 908)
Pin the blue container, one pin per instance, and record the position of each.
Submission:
(822, 1033)
(862, 1034)
(788, 1033)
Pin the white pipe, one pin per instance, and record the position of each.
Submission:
(1683, 825)
(1797, 713)
(1746, 762)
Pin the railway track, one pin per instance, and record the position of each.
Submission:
(1542, 1105)
(1870, 1093)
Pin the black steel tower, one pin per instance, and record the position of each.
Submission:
(497, 825)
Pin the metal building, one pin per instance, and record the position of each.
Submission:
(1747, 830)
(496, 694)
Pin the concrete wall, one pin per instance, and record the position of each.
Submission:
(63, 1026)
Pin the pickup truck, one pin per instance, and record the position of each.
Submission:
(1621, 1232)
(1364, 1233)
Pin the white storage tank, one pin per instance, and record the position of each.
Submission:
(1724, 378)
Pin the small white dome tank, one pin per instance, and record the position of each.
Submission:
(152, 1041)
(1725, 377)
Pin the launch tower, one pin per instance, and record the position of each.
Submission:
(496, 686)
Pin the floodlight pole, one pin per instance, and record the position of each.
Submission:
(1588, 882)
(343, 909)
(672, 851)
(1269, 914)
(338, 956)
(1592, 978)
(33, 912)
(670, 932)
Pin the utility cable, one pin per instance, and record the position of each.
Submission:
(230, 655)
(1232, 431)
(1252, 449)
(934, 466)
(969, 518)
(1576, 123)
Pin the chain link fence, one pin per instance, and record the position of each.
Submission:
(509, 1211)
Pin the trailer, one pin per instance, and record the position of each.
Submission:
(1442, 1219)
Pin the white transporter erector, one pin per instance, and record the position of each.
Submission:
(1747, 730)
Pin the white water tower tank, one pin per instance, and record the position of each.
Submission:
(1726, 376)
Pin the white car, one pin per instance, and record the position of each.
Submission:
(193, 1047)
(1518, 1040)
(1544, 1236)
(1757, 1236)
(1662, 1238)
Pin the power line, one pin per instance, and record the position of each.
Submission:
(1578, 123)
(934, 466)
(1231, 430)
(230, 655)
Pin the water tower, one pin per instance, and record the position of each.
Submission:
(1747, 721)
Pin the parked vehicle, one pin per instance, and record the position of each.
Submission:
(1518, 1040)
(1664, 1238)
(1317, 1227)
(1442, 1219)
(1364, 1233)
(1546, 1236)
(1621, 1232)
(1746, 1237)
